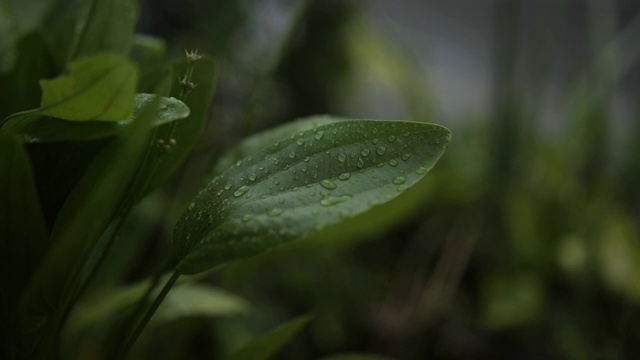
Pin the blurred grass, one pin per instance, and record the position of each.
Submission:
(523, 242)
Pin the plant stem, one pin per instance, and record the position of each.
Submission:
(143, 323)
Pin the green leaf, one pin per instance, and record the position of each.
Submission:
(184, 300)
(88, 210)
(270, 343)
(28, 15)
(256, 142)
(8, 39)
(45, 129)
(20, 90)
(198, 300)
(302, 184)
(100, 87)
(104, 26)
(23, 235)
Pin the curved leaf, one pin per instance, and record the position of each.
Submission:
(45, 129)
(100, 87)
(302, 184)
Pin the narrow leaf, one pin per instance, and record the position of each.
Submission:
(23, 235)
(270, 343)
(85, 215)
(7, 39)
(104, 25)
(302, 184)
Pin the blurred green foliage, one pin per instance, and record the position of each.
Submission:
(524, 244)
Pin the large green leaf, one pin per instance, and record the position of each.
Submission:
(23, 234)
(302, 184)
(267, 345)
(45, 129)
(104, 25)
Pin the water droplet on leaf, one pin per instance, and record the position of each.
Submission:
(399, 180)
(241, 191)
(328, 184)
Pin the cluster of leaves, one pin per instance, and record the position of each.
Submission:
(107, 132)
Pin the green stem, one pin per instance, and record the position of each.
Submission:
(143, 323)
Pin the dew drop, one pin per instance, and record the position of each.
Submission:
(399, 180)
(360, 163)
(364, 152)
(391, 138)
(342, 158)
(393, 162)
(241, 191)
(333, 200)
(247, 218)
(344, 176)
(381, 150)
(375, 141)
(300, 142)
(292, 155)
(328, 184)
(406, 157)
(306, 159)
(227, 187)
(252, 177)
(421, 170)
(319, 135)
(274, 212)
(192, 205)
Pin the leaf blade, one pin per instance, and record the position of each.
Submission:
(100, 87)
(302, 184)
